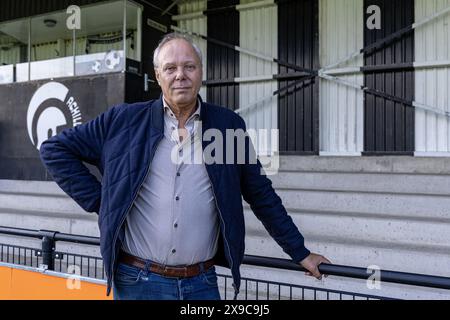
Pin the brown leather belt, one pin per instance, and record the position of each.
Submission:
(167, 271)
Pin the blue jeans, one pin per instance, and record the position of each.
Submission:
(132, 283)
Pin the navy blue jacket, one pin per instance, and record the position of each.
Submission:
(121, 143)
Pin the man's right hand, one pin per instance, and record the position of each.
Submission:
(312, 262)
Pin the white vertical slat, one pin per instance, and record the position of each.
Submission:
(259, 33)
(341, 108)
(432, 43)
(198, 25)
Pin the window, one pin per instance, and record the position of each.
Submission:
(51, 47)
(134, 21)
(43, 47)
(100, 39)
(13, 50)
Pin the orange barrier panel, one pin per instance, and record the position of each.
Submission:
(19, 284)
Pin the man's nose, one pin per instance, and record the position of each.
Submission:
(180, 73)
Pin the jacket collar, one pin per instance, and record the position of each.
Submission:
(158, 113)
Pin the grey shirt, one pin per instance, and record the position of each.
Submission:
(174, 220)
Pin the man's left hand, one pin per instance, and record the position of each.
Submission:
(312, 262)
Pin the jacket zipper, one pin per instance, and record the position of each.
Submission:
(129, 208)
(224, 233)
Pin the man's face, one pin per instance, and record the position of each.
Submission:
(179, 73)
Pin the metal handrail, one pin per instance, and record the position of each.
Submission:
(404, 278)
(413, 279)
(57, 236)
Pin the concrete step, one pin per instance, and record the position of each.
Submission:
(407, 165)
(363, 254)
(44, 220)
(40, 202)
(33, 187)
(403, 205)
(36, 196)
(433, 236)
(363, 182)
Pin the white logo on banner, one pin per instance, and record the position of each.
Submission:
(52, 116)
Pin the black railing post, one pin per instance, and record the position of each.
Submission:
(48, 248)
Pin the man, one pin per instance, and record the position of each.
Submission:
(165, 222)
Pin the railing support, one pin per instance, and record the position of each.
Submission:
(48, 249)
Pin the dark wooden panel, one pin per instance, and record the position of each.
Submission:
(223, 63)
(389, 125)
(298, 39)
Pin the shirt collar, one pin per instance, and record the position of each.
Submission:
(168, 111)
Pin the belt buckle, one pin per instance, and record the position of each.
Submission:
(181, 272)
(165, 270)
(176, 271)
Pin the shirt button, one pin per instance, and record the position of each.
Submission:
(177, 198)
(175, 225)
(173, 251)
(178, 174)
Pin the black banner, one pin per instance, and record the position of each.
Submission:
(32, 112)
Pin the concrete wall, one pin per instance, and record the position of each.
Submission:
(43, 205)
(392, 212)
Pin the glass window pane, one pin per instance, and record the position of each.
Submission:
(134, 18)
(14, 51)
(51, 47)
(100, 40)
